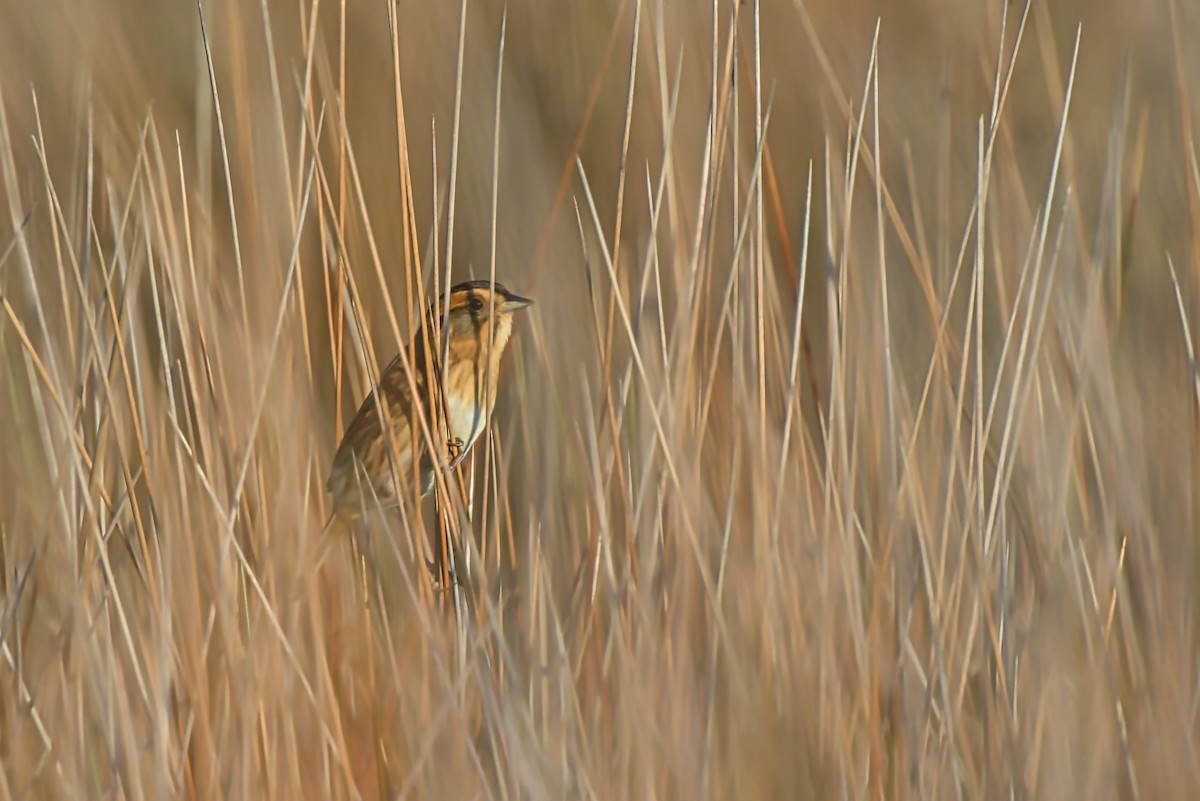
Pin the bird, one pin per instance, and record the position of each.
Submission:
(479, 327)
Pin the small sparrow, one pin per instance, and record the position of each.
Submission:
(479, 326)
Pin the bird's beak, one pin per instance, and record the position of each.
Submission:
(514, 303)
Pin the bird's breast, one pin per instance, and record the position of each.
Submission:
(465, 419)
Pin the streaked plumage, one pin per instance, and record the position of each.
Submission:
(361, 461)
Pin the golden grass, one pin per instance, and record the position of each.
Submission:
(851, 450)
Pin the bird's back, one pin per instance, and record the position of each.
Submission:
(361, 462)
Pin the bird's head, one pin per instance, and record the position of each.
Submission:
(480, 313)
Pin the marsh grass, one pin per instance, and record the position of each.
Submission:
(850, 451)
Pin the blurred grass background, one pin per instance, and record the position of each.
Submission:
(934, 537)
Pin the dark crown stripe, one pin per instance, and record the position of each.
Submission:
(480, 284)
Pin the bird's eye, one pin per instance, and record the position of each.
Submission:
(475, 303)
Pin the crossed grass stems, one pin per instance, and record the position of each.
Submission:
(456, 501)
